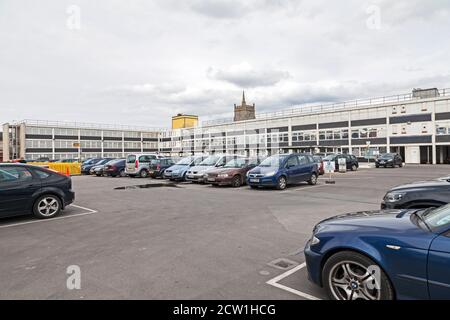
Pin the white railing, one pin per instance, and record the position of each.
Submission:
(87, 125)
(330, 107)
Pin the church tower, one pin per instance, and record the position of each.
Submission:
(244, 111)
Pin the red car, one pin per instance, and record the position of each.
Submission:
(319, 161)
(233, 173)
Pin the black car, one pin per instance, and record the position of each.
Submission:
(26, 189)
(418, 195)
(389, 160)
(87, 166)
(158, 166)
(350, 160)
(115, 168)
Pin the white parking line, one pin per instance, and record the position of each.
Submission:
(89, 211)
(274, 282)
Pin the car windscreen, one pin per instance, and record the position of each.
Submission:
(198, 160)
(210, 161)
(185, 161)
(131, 158)
(331, 157)
(273, 161)
(437, 218)
(387, 156)
(236, 163)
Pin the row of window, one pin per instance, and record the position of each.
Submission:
(48, 144)
(90, 132)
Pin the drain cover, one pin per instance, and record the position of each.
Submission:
(282, 264)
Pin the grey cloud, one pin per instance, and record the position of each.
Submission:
(245, 76)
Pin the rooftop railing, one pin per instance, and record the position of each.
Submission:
(330, 107)
(87, 125)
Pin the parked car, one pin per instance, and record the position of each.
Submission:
(233, 173)
(178, 171)
(88, 164)
(382, 255)
(42, 159)
(88, 168)
(138, 164)
(281, 170)
(319, 161)
(198, 173)
(389, 160)
(350, 160)
(158, 166)
(27, 189)
(422, 194)
(115, 168)
(98, 169)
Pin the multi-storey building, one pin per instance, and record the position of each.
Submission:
(31, 139)
(416, 125)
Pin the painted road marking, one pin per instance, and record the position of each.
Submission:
(274, 282)
(88, 212)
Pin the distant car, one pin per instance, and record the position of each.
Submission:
(29, 189)
(178, 171)
(319, 161)
(115, 168)
(382, 255)
(158, 166)
(281, 170)
(98, 170)
(233, 173)
(86, 168)
(42, 159)
(138, 164)
(422, 194)
(389, 160)
(350, 160)
(69, 161)
(198, 172)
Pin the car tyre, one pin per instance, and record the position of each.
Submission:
(377, 166)
(122, 173)
(400, 165)
(346, 276)
(313, 180)
(143, 174)
(236, 182)
(354, 167)
(281, 183)
(47, 206)
(254, 187)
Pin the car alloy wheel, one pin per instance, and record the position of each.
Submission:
(47, 206)
(122, 173)
(350, 275)
(236, 182)
(143, 174)
(354, 167)
(313, 180)
(282, 183)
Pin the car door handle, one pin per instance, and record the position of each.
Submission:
(392, 247)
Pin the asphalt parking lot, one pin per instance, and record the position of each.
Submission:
(183, 241)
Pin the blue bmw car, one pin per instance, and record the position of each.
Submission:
(382, 255)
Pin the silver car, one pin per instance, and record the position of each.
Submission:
(199, 173)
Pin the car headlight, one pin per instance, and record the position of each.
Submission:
(394, 196)
(223, 175)
(270, 174)
(390, 160)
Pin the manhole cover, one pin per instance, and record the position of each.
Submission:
(282, 264)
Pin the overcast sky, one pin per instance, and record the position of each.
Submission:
(140, 62)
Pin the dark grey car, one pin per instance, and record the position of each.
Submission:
(417, 195)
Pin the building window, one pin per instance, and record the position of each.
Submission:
(363, 133)
(355, 134)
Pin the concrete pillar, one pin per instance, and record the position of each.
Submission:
(433, 137)
(22, 143)
(350, 151)
(388, 130)
(6, 142)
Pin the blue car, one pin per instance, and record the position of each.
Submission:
(382, 255)
(178, 171)
(283, 169)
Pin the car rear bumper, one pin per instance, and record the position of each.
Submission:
(313, 265)
(69, 197)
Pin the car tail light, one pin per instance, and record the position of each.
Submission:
(136, 164)
(158, 166)
(112, 167)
